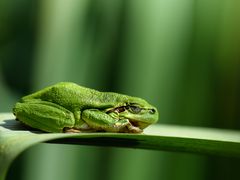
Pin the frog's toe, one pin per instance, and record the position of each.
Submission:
(71, 130)
(133, 129)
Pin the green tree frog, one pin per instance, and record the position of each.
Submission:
(68, 107)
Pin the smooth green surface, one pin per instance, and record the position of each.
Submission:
(15, 138)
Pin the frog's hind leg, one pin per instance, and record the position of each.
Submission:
(44, 115)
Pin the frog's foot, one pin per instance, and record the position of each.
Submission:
(71, 130)
(133, 129)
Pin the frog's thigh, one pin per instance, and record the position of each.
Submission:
(44, 115)
(99, 120)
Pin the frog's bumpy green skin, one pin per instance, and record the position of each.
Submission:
(69, 107)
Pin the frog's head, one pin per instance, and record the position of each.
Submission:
(139, 112)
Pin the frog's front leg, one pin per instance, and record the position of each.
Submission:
(44, 115)
(102, 121)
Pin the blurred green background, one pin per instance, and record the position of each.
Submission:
(182, 56)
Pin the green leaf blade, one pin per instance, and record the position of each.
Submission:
(15, 138)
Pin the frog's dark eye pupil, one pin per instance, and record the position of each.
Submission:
(135, 109)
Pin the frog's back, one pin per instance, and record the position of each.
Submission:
(71, 96)
(80, 96)
(66, 94)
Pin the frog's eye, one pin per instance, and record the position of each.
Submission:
(134, 109)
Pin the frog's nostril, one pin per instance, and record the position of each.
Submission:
(152, 111)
